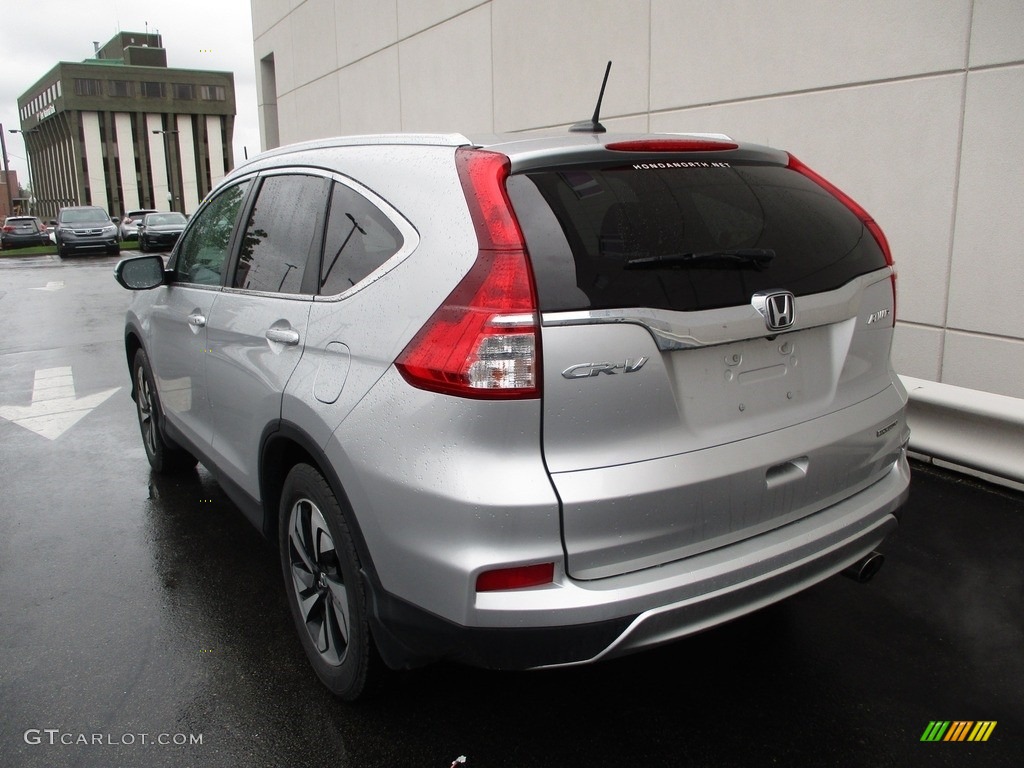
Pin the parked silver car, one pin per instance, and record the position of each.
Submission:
(529, 401)
(128, 228)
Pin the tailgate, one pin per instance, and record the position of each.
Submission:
(715, 340)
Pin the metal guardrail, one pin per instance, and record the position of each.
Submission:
(968, 428)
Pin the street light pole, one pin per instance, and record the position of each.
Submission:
(7, 173)
(28, 162)
(167, 162)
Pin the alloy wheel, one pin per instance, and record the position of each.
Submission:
(144, 402)
(316, 577)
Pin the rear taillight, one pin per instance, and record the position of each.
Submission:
(484, 340)
(870, 224)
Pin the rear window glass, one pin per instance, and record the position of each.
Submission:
(685, 238)
(359, 239)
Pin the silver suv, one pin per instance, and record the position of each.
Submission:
(528, 402)
(129, 226)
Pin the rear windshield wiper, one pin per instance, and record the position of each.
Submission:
(755, 258)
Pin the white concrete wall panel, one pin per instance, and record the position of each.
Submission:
(314, 40)
(187, 158)
(537, 84)
(267, 13)
(997, 32)
(414, 16)
(365, 109)
(364, 27)
(288, 115)
(891, 146)
(126, 161)
(158, 160)
(632, 124)
(96, 179)
(987, 279)
(215, 149)
(270, 131)
(705, 53)
(318, 109)
(985, 363)
(917, 351)
(446, 76)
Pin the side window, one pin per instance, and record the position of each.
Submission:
(359, 239)
(204, 248)
(283, 229)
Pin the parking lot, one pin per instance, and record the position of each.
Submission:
(144, 620)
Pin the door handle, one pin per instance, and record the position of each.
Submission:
(197, 321)
(283, 336)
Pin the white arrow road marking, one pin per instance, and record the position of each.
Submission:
(53, 285)
(54, 409)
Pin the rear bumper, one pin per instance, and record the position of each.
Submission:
(576, 622)
(23, 241)
(800, 556)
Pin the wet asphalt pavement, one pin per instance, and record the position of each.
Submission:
(136, 611)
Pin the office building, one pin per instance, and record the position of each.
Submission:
(122, 130)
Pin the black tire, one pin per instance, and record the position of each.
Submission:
(114, 250)
(322, 577)
(164, 456)
(142, 244)
(62, 250)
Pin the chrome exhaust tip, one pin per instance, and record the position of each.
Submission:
(865, 568)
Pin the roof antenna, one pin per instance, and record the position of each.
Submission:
(594, 126)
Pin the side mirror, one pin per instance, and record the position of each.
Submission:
(140, 273)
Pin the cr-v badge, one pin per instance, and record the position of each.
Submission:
(586, 370)
(778, 308)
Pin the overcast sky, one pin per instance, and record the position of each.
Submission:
(198, 34)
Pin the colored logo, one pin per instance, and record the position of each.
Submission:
(958, 730)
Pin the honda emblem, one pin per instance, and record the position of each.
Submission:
(778, 308)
